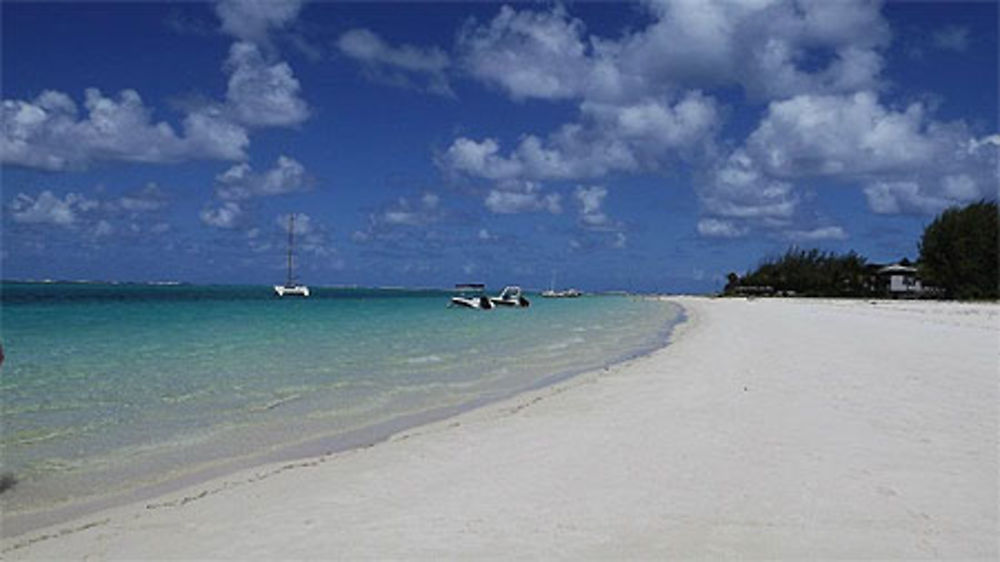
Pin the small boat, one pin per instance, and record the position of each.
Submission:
(511, 296)
(568, 293)
(471, 295)
(291, 288)
(554, 294)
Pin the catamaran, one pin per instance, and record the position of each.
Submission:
(291, 288)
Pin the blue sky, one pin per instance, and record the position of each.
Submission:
(648, 146)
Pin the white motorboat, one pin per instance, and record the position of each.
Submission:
(568, 293)
(511, 296)
(471, 295)
(291, 288)
(552, 293)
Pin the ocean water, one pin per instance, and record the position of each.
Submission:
(117, 392)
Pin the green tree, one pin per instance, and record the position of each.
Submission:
(959, 252)
(814, 273)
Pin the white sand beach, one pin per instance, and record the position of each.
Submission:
(768, 429)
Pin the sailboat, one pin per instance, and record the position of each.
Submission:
(291, 288)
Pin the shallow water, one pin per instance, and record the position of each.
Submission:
(111, 388)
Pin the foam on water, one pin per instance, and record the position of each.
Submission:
(111, 389)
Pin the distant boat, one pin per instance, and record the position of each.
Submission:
(471, 295)
(511, 296)
(291, 288)
(554, 294)
(568, 293)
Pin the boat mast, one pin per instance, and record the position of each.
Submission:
(291, 240)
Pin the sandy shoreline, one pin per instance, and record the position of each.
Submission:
(769, 428)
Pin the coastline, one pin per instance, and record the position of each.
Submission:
(765, 428)
(335, 441)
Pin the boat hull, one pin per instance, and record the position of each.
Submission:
(480, 303)
(291, 291)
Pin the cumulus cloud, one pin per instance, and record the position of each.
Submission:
(738, 188)
(903, 160)
(262, 94)
(512, 196)
(228, 216)
(402, 214)
(631, 138)
(854, 134)
(49, 133)
(407, 212)
(253, 20)
(641, 105)
(241, 182)
(591, 200)
(90, 216)
(48, 208)
(771, 49)
(406, 66)
(147, 199)
(716, 228)
(528, 54)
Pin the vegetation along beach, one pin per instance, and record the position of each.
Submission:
(652, 280)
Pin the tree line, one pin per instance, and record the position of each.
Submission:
(959, 253)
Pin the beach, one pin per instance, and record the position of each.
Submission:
(767, 428)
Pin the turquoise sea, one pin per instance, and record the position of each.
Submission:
(112, 393)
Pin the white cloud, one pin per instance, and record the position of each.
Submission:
(846, 135)
(815, 234)
(630, 138)
(916, 197)
(952, 38)
(406, 212)
(399, 218)
(48, 133)
(240, 182)
(261, 94)
(906, 161)
(528, 54)
(772, 49)
(479, 158)
(229, 215)
(149, 198)
(48, 208)
(737, 188)
(591, 200)
(510, 197)
(252, 20)
(90, 217)
(716, 228)
(404, 66)
(902, 159)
